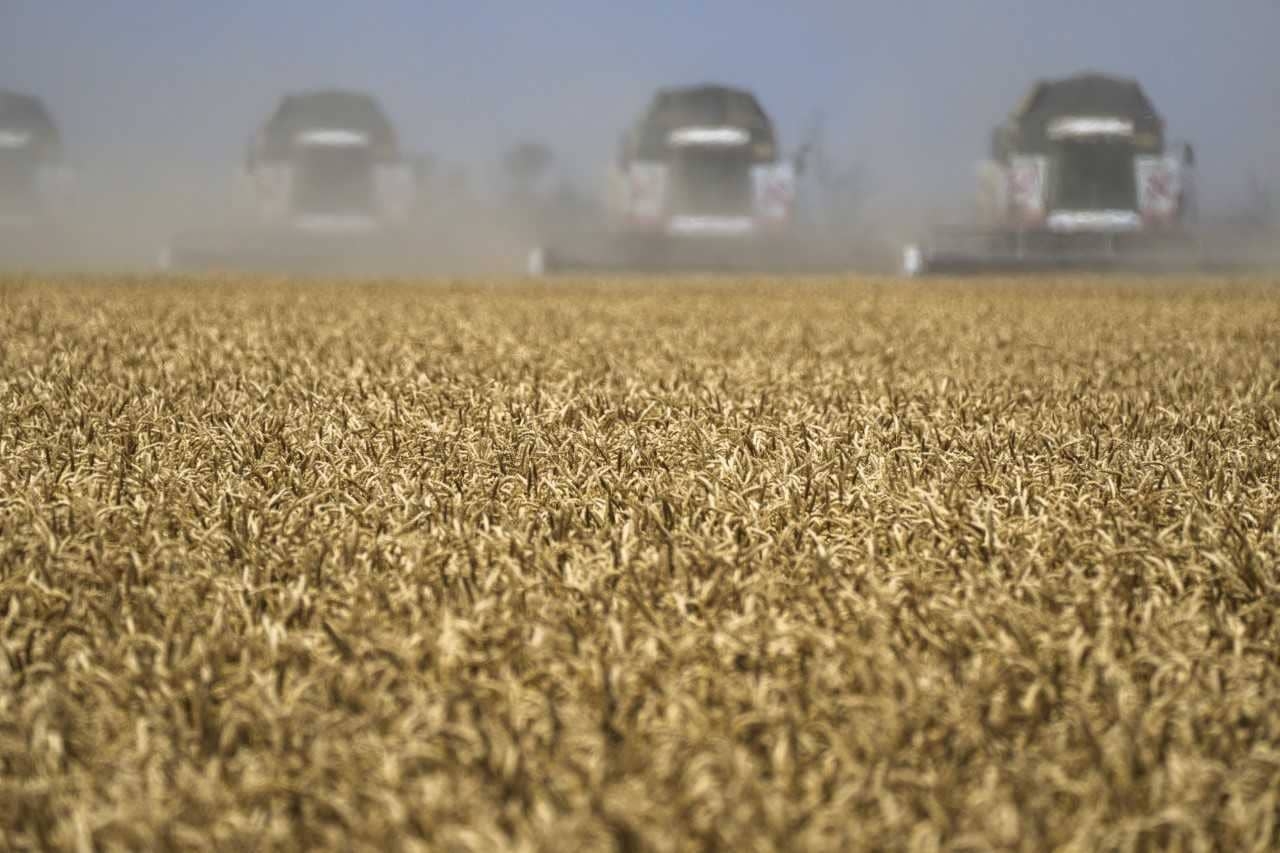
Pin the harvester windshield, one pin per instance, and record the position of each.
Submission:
(333, 180)
(1093, 175)
(711, 183)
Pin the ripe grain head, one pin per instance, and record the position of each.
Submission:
(754, 565)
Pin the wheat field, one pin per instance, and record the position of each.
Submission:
(640, 565)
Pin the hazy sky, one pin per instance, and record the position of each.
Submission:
(910, 89)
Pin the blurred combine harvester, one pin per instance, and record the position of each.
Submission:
(34, 183)
(1080, 176)
(699, 183)
(325, 187)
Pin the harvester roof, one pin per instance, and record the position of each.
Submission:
(705, 106)
(27, 114)
(329, 109)
(1091, 96)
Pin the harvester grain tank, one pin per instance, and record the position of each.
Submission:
(325, 186)
(1080, 175)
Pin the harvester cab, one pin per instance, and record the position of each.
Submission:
(1080, 175)
(324, 187)
(34, 177)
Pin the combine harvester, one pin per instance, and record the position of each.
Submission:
(699, 183)
(325, 188)
(1081, 177)
(34, 185)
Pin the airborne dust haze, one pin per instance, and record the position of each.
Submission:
(157, 100)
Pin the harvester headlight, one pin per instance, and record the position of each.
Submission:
(14, 139)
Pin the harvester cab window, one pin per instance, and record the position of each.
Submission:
(334, 181)
(687, 109)
(1094, 175)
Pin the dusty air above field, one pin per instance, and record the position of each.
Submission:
(1080, 176)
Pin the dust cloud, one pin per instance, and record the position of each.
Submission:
(157, 103)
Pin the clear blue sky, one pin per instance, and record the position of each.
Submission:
(910, 87)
